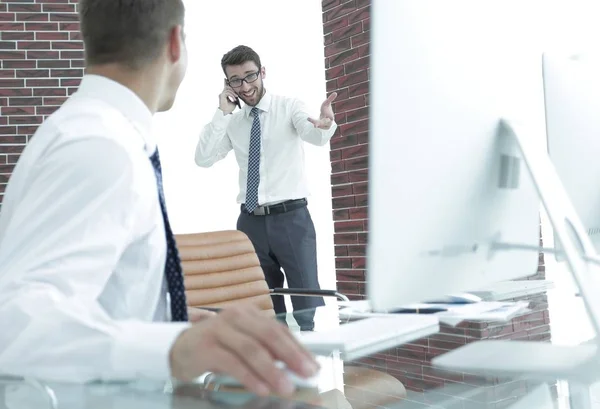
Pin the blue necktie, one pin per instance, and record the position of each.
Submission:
(173, 270)
(253, 164)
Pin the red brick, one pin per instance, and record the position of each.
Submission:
(357, 251)
(12, 55)
(31, 17)
(7, 73)
(358, 15)
(343, 202)
(72, 54)
(30, 110)
(24, 101)
(341, 251)
(357, 65)
(356, 163)
(12, 27)
(54, 100)
(349, 226)
(343, 9)
(337, 167)
(339, 117)
(360, 188)
(339, 262)
(59, 8)
(9, 168)
(43, 55)
(358, 89)
(358, 175)
(355, 151)
(329, 4)
(361, 38)
(345, 238)
(25, 120)
(7, 130)
(12, 159)
(334, 72)
(33, 73)
(19, 64)
(76, 73)
(347, 32)
(67, 45)
(343, 57)
(27, 130)
(335, 25)
(16, 92)
(69, 26)
(17, 35)
(361, 201)
(54, 64)
(49, 92)
(337, 179)
(34, 45)
(41, 26)
(8, 45)
(24, 8)
(341, 190)
(355, 127)
(341, 214)
(353, 78)
(348, 104)
(13, 149)
(71, 82)
(37, 82)
(351, 275)
(46, 110)
(337, 47)
(359, 262)
(338, 142)
(357, 114)
(52, 35)
(362, 238)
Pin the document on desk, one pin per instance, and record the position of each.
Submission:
(450, 314)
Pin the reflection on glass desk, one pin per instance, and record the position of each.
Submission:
(401, 377)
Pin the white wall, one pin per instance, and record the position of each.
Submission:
(288, 36)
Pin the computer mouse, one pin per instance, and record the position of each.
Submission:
(298, 381)
(458, 298)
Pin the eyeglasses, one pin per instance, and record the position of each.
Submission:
(236, 83)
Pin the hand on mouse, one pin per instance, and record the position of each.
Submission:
(243, 343)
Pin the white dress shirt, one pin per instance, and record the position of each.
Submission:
(82, 246)
(284, 129)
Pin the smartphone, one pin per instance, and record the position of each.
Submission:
(236, 101)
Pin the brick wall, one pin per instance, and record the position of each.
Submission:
(346, 26)
(41, 63)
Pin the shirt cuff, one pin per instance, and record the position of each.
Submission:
(220, 120)
(142, 350)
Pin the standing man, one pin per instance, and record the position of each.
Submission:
(87, 257)
(267, 137)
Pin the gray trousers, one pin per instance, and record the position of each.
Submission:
(286, 240)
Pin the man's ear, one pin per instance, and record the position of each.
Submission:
(175, 44)
(263, 73)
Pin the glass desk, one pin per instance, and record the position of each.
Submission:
(401, 377)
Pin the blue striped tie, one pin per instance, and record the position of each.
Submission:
(173, 270)
(253, 164)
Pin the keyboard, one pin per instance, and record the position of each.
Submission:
(360, 338)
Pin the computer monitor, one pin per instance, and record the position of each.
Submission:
(444, 184)
(572, 96)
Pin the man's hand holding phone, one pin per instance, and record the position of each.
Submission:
(228, 100)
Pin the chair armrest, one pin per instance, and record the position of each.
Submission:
(308, 293)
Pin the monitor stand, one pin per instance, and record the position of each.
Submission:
(580, 364)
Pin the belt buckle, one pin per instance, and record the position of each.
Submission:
(259, 211)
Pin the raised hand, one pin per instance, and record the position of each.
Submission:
(326, 118)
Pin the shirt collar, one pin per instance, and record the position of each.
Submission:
(263, 104)
(124, 100)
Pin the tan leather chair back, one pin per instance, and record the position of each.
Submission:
(222, 268)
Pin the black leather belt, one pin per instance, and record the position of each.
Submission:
(283, 207)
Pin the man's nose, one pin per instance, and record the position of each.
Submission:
(245, 86)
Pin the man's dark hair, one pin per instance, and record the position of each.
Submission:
(240, 55)
(129, 32)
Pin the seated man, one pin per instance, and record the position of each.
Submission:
(89, 270)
